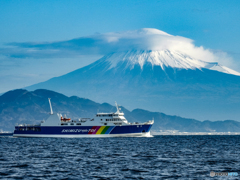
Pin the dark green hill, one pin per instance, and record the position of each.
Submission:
(22, 106)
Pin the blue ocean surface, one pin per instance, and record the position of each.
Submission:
(159, 157)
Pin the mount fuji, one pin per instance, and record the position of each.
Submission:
(163, 81)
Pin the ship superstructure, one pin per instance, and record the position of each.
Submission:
(101, 125)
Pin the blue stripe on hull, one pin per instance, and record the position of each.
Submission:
(71, 130)
(109, 129)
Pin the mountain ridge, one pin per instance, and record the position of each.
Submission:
(31, 107)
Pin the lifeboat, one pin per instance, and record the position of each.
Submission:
(65, 118)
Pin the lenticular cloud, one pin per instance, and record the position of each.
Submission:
(143, 39)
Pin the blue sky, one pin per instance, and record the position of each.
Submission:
(212, 24)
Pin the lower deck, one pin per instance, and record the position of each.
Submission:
(81, 131)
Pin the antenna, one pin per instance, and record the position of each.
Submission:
(50, 106)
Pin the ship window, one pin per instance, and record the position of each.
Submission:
(78, 123)
(30, 129)
(101, 119)
(105, 123)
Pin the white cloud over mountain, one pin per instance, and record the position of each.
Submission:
(143, 39)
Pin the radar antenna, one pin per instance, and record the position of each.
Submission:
(50, 106)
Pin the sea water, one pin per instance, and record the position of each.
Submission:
(159, 157)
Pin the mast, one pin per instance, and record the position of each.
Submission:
(117, 106)
(50, 106)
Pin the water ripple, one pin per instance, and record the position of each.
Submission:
(160, 157)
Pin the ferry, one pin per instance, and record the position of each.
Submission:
(101, 125)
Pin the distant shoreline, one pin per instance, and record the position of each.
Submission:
(173, 134)
(194, 133)
(6, 134)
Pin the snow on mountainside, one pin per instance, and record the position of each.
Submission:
(164, 58)
(164, 80)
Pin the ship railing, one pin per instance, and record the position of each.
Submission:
(84, 119)
(148, 122)
(27, 125)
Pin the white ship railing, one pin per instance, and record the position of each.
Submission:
(27, 125)
(148, 122)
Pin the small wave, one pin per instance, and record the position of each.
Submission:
(119, 158)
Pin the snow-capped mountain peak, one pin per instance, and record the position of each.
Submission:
(165, 59)
(163, 80)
